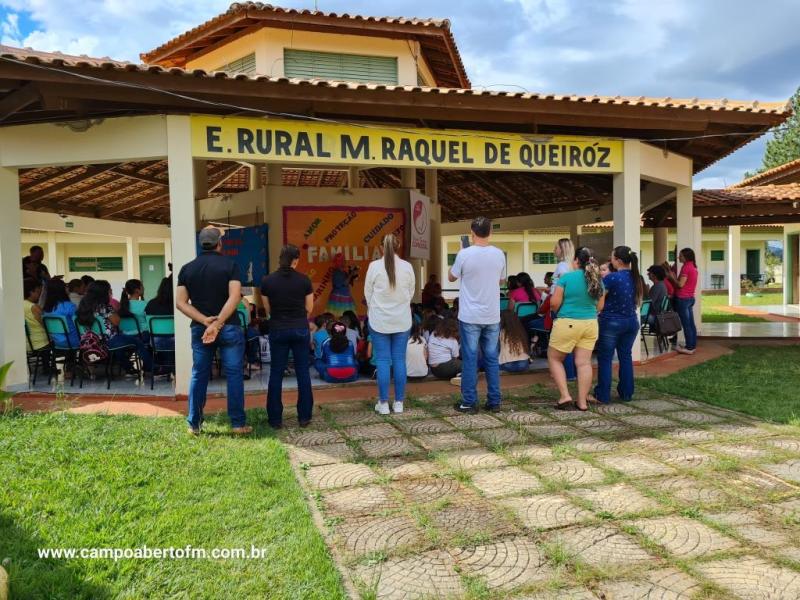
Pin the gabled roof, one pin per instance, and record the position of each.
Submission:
(435, 38)
(786, 173)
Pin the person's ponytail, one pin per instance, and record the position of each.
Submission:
(389, 248)
(591, 272)
(629, 257)
(125, 299)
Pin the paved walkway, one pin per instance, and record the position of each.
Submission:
(661, 498)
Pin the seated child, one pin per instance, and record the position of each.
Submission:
(416, 354)
(338, 362)
(322, 323)
(514, 357)
(443, 350)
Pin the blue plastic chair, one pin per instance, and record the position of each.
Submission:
(58, 332)
(162, 329)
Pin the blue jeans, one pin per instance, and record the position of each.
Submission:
(486, 337)
(281, 342)
(390, 355)
(515, 366)
(684, 307)
(230, 342)
(619, 335)
(570, 368)
(121, 340)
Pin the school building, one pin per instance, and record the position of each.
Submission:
(327, 131)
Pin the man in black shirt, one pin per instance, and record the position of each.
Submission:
(33, 267)
(288, 299)
(209, 291)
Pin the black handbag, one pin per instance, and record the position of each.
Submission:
(668, 323)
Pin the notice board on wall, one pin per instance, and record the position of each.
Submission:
(337, 243)
(249, 248)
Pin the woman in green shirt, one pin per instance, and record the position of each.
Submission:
(577, 298)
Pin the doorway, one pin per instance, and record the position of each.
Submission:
(754, 266)
(152, 271)
(791, 279)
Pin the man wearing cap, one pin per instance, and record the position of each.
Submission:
(209, 291)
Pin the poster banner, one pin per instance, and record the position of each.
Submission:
(248, 247)
(309, 142)
(337, 243)
(420, 229)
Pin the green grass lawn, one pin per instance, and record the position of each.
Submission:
(713, 314)
(759, 380)
(124, 482)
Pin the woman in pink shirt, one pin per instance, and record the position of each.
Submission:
(685, 285)
(525, 292)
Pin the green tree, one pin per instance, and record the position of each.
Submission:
(785, 143)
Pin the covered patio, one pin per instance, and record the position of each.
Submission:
(115, 141)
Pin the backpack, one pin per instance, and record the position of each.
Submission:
(92, 348)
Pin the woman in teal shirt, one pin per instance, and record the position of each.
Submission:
(132, 305)
(577, 298)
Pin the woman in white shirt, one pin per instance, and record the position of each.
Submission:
(388, 290)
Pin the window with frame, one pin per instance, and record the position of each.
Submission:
(671, 256)
(451, 259)
(333, 66)
(717, 255)
(544, 258)
(246, 65)
(95, 264)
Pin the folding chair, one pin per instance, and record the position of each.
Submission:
(35, 357)
(162, 329)
(243, 321)
(526, 309)
(58, 332)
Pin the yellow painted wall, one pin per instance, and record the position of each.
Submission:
(151, 249)
(268, 45)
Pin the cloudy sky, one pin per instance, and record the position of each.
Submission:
(734, 49)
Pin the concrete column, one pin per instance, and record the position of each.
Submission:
(132, 247)
(697, 227)
(734, 251)
(52, 253)
(660, 245)
(574, 234)
(408, 179)
(627, 209)
(254, 176)
(353, 181)
(200, 178)
(182, 181)
(274, 174)
(526, 252)
(167, 255)
(432, 191)
(627, 199)
(12, 317)
(683, 221)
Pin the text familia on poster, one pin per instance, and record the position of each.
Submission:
(336, 246)
(285, 141)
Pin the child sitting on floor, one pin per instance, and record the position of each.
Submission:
(338, 362)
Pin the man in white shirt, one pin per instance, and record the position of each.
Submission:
(480, 267)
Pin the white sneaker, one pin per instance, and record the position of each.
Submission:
(382, 408)
(456, 380)
(398, 407)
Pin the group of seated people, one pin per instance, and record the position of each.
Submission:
(109, 325)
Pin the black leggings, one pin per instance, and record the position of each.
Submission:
(447, 370)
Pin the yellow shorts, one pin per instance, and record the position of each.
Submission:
(569, 334)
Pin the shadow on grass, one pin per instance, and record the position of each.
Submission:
(46, 578)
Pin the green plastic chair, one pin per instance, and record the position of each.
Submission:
(57, 325)
(161, 327)
(526, 309)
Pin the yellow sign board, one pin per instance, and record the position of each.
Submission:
(314, 142)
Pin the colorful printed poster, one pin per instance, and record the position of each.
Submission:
(248, 247)
(337, 243)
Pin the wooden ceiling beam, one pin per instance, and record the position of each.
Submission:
(18, 99)
(90, 172)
